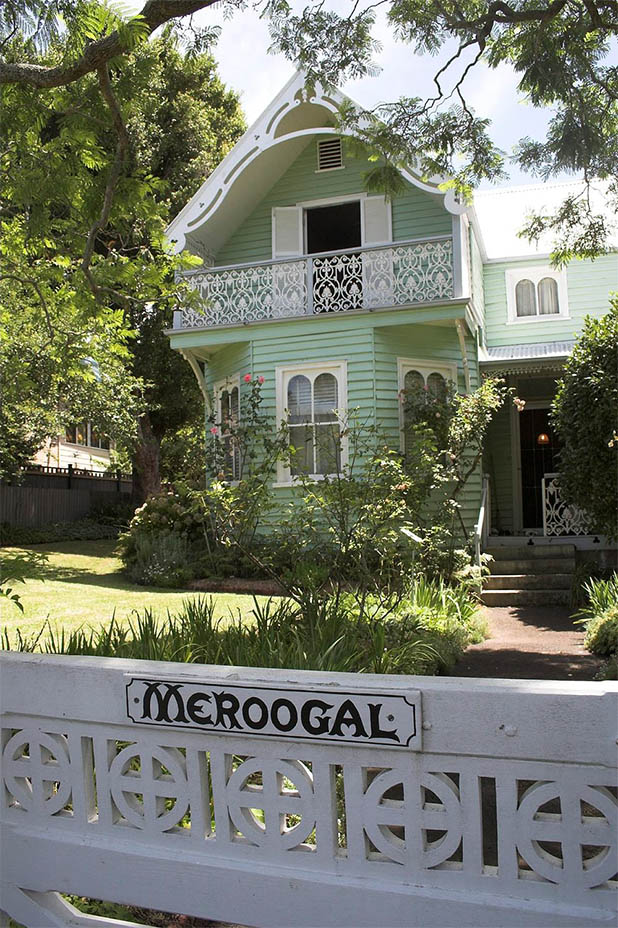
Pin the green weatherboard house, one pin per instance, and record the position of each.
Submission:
(340, 299)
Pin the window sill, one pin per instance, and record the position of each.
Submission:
(548, 317)
(292, 482)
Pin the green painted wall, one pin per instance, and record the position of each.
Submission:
(371, 353)
(589, 285)
(476, 274)
(415, 213)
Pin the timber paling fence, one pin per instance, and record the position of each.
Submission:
(290, 798)
(43, 495)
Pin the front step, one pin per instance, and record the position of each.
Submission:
(529, 575)
(526, 597)
(545, 565)
(551, 581)
(529, 552)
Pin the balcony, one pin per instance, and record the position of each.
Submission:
(359, 279)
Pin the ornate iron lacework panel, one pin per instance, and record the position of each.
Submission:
(409, 273)
(530, 829)
(559, 518)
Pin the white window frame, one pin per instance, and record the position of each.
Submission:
(228, 383)
(87, 445)
(535, 275)
(311, 369)
(425, 368)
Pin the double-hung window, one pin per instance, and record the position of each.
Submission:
(84, 433)
(227, 394)
(311, 399)
(536, 293)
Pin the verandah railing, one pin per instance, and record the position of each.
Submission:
(355, 279)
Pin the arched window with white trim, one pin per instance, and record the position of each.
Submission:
(312, 400)
(533, 293)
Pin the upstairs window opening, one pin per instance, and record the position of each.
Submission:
(333, 228)
(330, 155)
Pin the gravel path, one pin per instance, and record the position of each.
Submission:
(529, 643)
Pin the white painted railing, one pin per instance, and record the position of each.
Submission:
(559, 518)
(391, 275)
(481, 529)
(283, 798)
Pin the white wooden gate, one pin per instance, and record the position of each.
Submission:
(354, 800)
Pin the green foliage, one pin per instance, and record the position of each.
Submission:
(563, 55)
(602, 633)
(13, 569)
(423, 633)
(585, 414)
(95, 286)
(600, 619)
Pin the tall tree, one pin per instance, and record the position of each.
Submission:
(85, 199)
(562, 50)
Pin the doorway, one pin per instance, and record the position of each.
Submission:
(338, 279)
(539, 451)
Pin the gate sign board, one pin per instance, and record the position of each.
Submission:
(324, 715)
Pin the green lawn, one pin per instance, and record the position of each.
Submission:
(81, 584)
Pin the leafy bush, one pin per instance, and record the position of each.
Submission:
(423, 633)
(600, 618)
(82, 530)
(602, 633)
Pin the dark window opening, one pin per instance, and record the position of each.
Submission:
(333, 228)
(337, 280)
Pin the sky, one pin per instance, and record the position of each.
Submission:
(246, 66)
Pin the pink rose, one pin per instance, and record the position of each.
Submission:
(247, 378)
(214, 430)
(260, 379)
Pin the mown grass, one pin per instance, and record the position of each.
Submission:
(80, 583)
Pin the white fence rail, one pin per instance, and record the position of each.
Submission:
(392, 275)
(280, 798)
(560, 518)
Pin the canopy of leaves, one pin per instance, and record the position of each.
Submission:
(91, 175)
(585, 413)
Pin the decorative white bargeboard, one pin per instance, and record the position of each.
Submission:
(288, 798)
(393, 275)
(559, 517)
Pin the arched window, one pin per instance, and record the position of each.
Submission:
(413, 382)
(436, 384)
(228, 400)
(313, 422)
(525, 298)
(548, 297)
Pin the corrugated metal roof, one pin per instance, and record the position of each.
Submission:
(534, 352)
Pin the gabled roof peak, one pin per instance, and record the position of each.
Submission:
(260, 157)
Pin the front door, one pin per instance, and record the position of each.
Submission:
(539, 450)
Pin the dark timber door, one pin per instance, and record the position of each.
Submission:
(537, 459)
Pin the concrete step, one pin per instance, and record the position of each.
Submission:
(551, 581)
(525, 597)
(529, 552)
(541, 565)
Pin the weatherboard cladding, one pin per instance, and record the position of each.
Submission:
(589, 284)
(372, 378)
(415, 213)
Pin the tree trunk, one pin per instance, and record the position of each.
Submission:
(146, 471)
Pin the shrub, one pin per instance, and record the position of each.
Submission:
(602, 633)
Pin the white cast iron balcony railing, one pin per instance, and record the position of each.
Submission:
(355, 279)
(559, 518)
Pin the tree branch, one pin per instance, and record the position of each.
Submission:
(153, 14)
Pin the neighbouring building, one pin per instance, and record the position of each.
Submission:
(81, 446)
(341, 299)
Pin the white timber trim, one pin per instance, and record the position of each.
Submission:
(199, 376)
(461, 335)
(461, 260)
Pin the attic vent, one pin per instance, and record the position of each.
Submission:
(329, 154)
